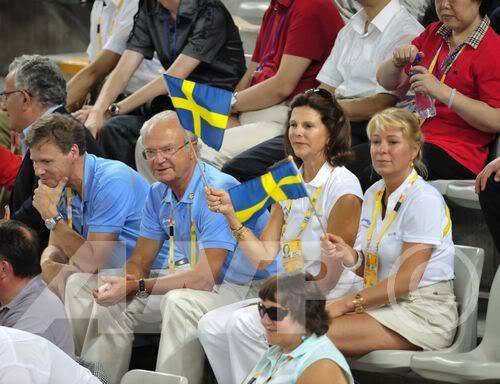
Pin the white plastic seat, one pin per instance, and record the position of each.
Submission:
(468, 269)
(140, 376)
(253, 9)
(462, 192)
(481, 365)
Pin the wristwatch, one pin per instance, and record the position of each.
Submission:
(114, 109)
(52, 222)
(142, 293)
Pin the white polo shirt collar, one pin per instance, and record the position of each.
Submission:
(380, 21)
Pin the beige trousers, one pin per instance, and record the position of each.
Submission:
(106, 334)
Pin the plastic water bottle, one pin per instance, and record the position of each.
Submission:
(423, 102)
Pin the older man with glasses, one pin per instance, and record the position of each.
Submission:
(206, 269)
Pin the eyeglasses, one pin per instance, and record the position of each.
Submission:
(167, 152)
(4, 95)
(321, 92)
(274, 313)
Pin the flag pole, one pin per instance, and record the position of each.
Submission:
(203, 176)
(290, 158)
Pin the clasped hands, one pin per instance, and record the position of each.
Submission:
(115, 289)
(91, 118)
(421, 80)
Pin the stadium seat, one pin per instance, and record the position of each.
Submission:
(253, 9)
(70, 63)
(140, 376)
(481, 365)
(461, 192)
(468, 269)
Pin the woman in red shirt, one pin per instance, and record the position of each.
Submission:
(460, 70)
(9, 166)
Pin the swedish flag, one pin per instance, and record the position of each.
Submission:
(202, 109)
(252, 197)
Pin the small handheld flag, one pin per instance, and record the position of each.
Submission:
(254, 196)
(202, 109)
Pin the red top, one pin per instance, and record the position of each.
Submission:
(10, 166)
(304, 28)
(475, 74)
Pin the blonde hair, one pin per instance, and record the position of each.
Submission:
(409, 125)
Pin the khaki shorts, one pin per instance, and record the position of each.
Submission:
(427, 317)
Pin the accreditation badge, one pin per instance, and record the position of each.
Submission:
(371, 269)
(292, 255)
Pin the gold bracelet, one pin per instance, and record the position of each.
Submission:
(239, 233)
(358, 303)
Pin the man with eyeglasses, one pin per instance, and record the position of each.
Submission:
(34, 87)
(206, 268)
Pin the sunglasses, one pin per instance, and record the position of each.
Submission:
(274, 313)
(320, 92)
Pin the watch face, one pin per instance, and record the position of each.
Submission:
(50, 223)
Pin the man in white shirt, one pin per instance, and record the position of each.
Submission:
(110, 24)
(28, 358)
(350, 71)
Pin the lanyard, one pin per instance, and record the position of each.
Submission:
(377, 209)
(447, 63)
(307, 216)
(99, 25)
(171, 241)
(69, 207)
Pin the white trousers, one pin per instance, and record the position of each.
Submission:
(106, 334)
(234, 340)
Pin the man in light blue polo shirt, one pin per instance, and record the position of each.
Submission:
(106, 199)
(206, 270)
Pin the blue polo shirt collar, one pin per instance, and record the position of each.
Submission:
(191, 190)
(88, 176)
(303, 348)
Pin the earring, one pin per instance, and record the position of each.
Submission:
(411, 164)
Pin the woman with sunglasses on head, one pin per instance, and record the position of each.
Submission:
(404, 251)
(293, 314)
(455, 61)
(318, 137)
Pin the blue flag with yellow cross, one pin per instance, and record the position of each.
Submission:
(283, 182)
(202, 109)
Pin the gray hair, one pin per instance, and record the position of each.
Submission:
(165, 116)
(41, 77)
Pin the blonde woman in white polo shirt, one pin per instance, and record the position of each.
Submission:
(404, 251)
(318, 136)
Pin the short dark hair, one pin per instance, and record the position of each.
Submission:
(19, 246)
(338, 148)
(59, 129)
(484, 7)
(299, 293)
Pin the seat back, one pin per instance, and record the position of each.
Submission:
(468, 269)
(491, 340)
(140, 376)
(495, 149)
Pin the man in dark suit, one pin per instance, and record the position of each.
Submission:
(34, 87)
